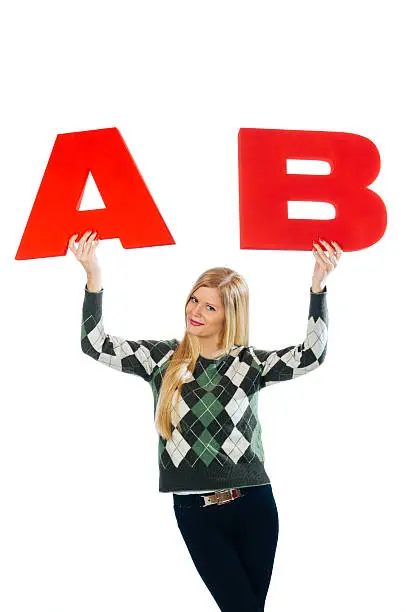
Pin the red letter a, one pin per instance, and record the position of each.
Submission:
(130, 214)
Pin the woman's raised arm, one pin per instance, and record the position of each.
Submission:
(140, 357)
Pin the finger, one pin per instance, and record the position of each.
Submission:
(320, 261)
(317, 256)
(332, 254)
(337, 253)
(322, 255)
(83, 242)
(338, 248)
(329, 248)
(71, 243)
(319, 250)
(85, 237)
(88, 245)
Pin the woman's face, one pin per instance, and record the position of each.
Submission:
(205, 307)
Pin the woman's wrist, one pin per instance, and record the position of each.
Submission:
(94, 283)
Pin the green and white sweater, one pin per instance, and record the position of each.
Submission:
(220, 446)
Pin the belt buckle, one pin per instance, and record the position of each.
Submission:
(221, 496)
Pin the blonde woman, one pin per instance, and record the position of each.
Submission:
(205, 391)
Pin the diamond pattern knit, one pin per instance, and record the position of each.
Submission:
(220, 445)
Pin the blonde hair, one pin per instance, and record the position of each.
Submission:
(234, 296)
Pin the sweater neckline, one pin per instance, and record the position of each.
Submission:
(211, 360)
(214, 359)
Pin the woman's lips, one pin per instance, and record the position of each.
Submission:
(195, 322)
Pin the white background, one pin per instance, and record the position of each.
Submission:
(83, 526)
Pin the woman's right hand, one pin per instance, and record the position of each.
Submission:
(85, 252)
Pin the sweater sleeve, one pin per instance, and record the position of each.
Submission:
(292, 361)
(140, 357)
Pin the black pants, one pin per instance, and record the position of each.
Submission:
(232, 545)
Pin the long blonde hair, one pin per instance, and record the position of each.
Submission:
(234, 296)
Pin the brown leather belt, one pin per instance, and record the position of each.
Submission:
(221, 497)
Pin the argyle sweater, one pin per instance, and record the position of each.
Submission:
(219, 444)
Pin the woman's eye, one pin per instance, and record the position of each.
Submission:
(193, 298)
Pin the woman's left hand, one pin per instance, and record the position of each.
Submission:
(325, 263)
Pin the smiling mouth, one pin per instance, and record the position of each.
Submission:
(195, 322)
